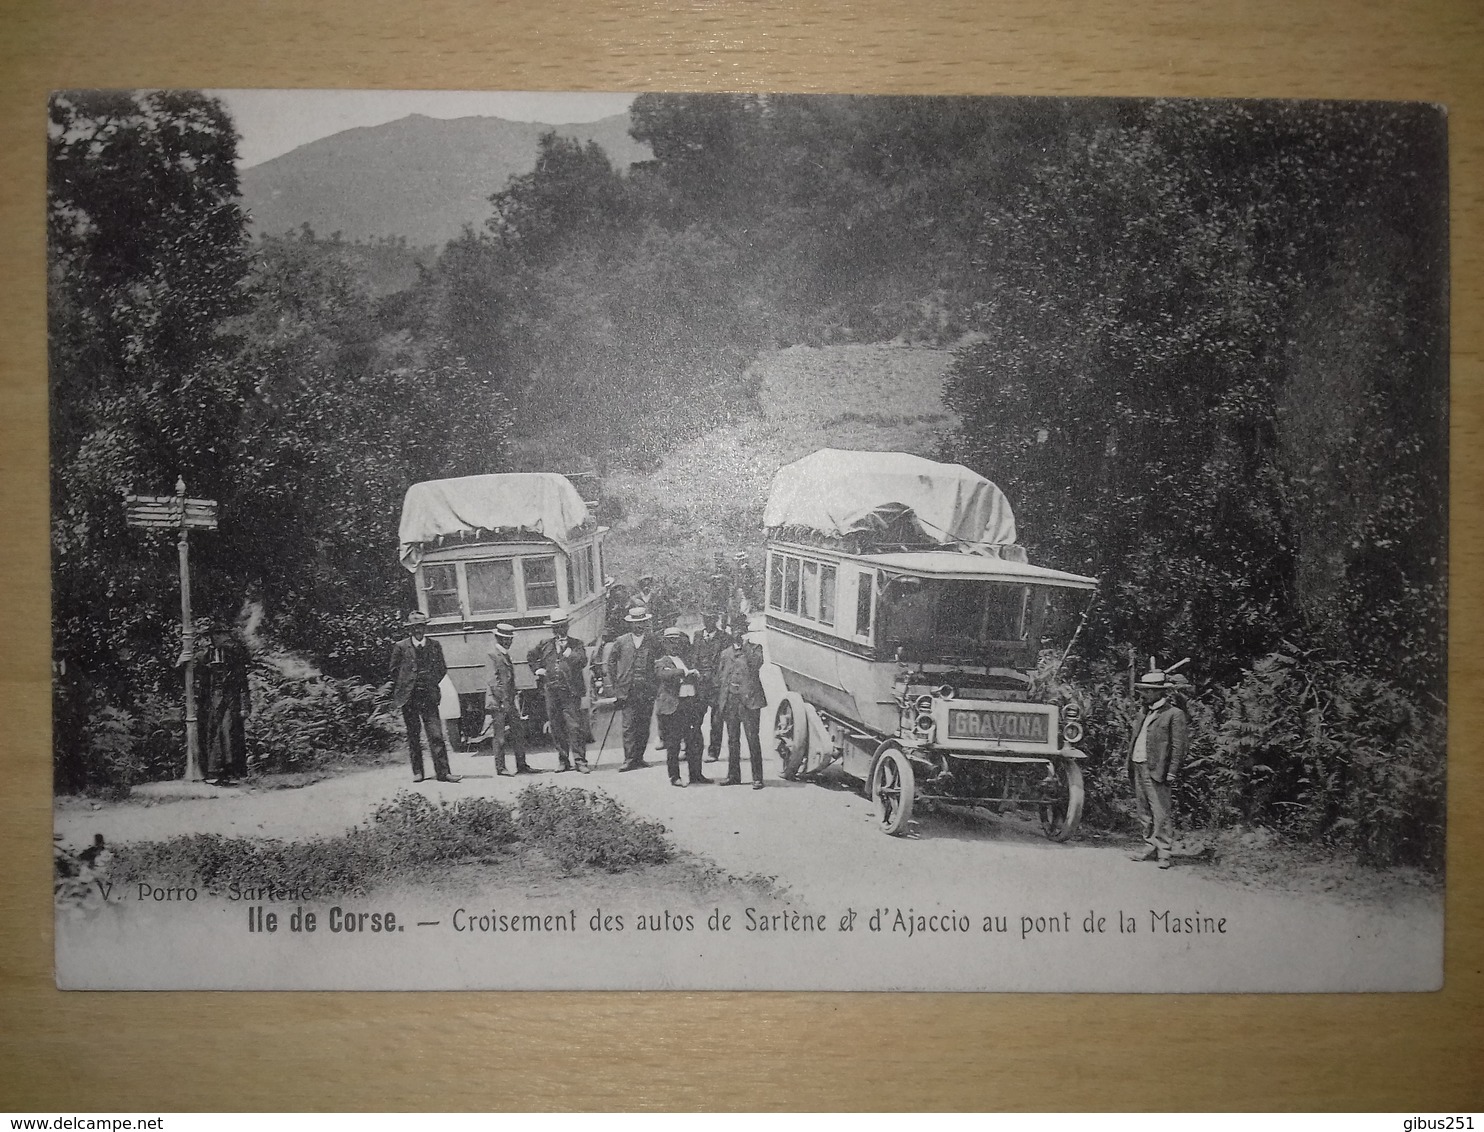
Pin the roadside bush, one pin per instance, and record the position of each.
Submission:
(111, 763)
(415, 830)
(402, 838)
(576, 829)
(120, 747)
(1319, 751)
(404, 834)
(301, 721)
(1311, 748)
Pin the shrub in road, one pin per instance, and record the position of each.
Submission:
(403, 838)
(576, 829)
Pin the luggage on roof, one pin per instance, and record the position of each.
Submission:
(539, 503)
(888, 497)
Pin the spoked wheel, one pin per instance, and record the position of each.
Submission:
(791, 734)
(1061, 813)
(893, 786)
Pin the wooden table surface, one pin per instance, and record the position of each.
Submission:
(188, 1051)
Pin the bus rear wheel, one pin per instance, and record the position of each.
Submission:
(791, 734)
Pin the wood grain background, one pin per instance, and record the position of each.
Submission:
(191, 1051)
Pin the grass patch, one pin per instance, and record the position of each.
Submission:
(581, 830)
(404, 836)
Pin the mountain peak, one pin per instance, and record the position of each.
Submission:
(417, 177)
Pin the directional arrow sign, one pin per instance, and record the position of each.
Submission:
(164, 512)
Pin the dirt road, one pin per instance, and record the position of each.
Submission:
(996, 873)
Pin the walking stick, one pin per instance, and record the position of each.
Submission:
(599, 756)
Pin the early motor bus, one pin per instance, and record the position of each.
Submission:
(512, 547)
(907, 626)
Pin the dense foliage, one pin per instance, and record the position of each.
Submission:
(266, 376)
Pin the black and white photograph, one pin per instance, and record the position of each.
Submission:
(747, 542)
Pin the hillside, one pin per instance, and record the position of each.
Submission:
(708, 495)
(418, 178)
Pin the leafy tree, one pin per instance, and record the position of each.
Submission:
(573, 195)
(1137, 296)
(345, 417)
(147, 256)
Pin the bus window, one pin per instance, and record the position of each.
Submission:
(863, 603)
(441, 583)
(827, 595)
(809, 592)
(791, 585)
(775, 581)
(491, 586)
(540, 582)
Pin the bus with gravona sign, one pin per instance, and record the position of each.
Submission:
(908, 626)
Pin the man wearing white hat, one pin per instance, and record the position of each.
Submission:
(416, 670)
(631, 663)
(500, 703)
(558, 663)
(1159, 745)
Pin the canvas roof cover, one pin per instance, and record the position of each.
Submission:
(542, 503)
(835, 493)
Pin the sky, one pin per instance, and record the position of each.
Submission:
(272, 122)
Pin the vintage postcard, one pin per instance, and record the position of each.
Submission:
(604, 541)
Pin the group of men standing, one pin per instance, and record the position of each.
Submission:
(681, 681)
(711, 683)
(558, 664)
(708, 683)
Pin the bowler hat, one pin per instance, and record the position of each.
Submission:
(417, 617)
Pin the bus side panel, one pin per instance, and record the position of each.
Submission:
(822, 673)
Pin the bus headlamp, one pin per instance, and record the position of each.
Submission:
(923, 703)
(924, 727)
(1071, 731)
(947, 692)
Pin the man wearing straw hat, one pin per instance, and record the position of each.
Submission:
(1160, 742)
(558, 663)
(631, 676)
(501, 705)
(416, 669)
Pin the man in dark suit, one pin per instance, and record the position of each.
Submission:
(678, 705)
(416, 670)
(631, 677)
(706, 650)
(740, 699)
(559, 662)
(1160, 742)
(228, 700)
(500, 702)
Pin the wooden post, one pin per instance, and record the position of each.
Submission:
(193, 770)
(177, 513)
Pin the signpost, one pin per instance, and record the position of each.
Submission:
(176, 512)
